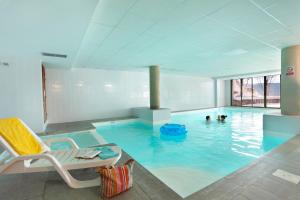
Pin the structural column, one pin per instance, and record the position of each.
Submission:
(154, 76)
(290, 80)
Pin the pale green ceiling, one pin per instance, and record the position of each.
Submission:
(206, 37)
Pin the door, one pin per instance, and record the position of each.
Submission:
(44, 92)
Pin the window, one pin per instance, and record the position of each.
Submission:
(258, 92)
(236, 92)
(273, 91)
(261, 91)
(247, 92)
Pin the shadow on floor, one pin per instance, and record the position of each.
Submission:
(50, 186)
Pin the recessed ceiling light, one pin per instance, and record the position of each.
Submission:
(236, 52)
(108, 85)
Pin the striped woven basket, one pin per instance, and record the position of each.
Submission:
(115, 180)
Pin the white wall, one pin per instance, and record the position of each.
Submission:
(82, 94)
(182, 92)
(21, 91)
(220, 93)
(227, 92)
(223, 92)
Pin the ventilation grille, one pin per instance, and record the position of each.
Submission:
(54, 55)
(4, 64)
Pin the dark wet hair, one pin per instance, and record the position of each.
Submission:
(223, 116)
(207, 117)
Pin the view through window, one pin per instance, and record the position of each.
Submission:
(236, 92)
(258, 92)
(273, 91)
(261, 91)
(247, 92)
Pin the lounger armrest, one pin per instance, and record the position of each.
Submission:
(64, 139)
(37, 156)
(46, 156)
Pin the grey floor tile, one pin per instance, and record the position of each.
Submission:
(10, 187)
(77, 126)
(58, 190)
(35, 198)
(32, 185)
(256, 193)
(277, 188)
(135, 193)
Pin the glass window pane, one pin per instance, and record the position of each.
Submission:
(273, 91)
(247, 92)
(258, 91)
(236, 92)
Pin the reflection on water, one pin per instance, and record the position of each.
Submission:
(211, 147)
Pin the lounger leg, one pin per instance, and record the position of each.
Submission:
(74, 183)
(69, 179)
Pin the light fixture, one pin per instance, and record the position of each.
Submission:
(54, 55)
(80, 83)
(108, 85)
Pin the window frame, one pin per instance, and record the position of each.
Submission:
(242, 83)
(265, 92)
(231, 88)
(266, 105)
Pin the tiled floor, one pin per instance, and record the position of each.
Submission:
(76, 126)
(49, 186)
(254, 182)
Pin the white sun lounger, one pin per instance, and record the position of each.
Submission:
(62, 160)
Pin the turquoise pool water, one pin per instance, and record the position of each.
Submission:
(209, 152)
(83, 139)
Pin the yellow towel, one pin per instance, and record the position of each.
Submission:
(19, 137)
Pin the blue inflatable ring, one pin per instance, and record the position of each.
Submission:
(173, 129)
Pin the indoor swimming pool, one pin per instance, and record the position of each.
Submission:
(209, 151)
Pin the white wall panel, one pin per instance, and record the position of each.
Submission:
(220, 93)
(223, 93)
(21, 91)
(180, 92)
(227, 92)
(83, 94)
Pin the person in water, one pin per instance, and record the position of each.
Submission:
(221, 118)
(207, 118)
